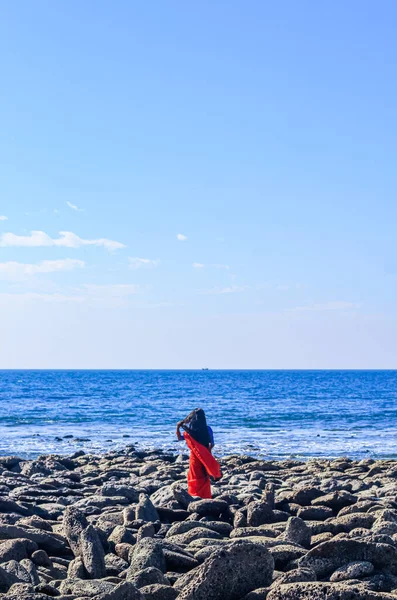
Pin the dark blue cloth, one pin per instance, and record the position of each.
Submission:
(211, 434)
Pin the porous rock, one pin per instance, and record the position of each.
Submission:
(228, 574)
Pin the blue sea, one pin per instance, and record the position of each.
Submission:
(270, 414)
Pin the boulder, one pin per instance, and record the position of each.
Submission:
(146, 510)
(196, 533)
(114, 564)
(181, 495)
(146, 553)
(74, 522)
(117, 489)
(327, 557)
(148, 576)
(297, 531)
(17, 549)
(208, 508)
(352, 521)
(336, 500)
(315, 513)
(51, 542)
(353, 570)
(295, 575)
(90, 588)
(324, 591)
(92, 553)
(157, 591)
(41, 559)
(123, 591)
(121, 535)
(259, 513)
(228, 574)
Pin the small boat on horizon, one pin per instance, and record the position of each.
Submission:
(205, 369)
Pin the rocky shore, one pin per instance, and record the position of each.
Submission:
(122, 526)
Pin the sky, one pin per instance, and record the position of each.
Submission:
(198, 184)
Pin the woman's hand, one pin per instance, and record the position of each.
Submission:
(178, 432)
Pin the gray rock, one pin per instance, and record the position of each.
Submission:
(17, 549)
(336, 500)
(117, 489)
(224, 529)
(41, 558)
(181, 495)
(6, 580)
(148, 576)
(76, 569)
(47, 589)
(74, 522)
(324, 591)
(124, 551)
(315, 513)
(89, 588)
(204, 553)
(17, 571)
(228, 574)
(327, 557)
(297, 531)
(208, 508)
(253, 531)
(240, 519)
(31, 569)
(381, 527)
(195, 534)
(123, 591)
(295, 575)
(284, 553)
(352, 521)
(147, 530)
(92, 553)
(51, 542)
(179, 560)
(122, 535)
(146, 553)
(146, 510)
(305, 495)
(114, 564)
(20, 590)
(259, 594)
(259, 513)
(156, 591)
(353, 570)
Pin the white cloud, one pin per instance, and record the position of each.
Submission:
(212, 266)
(17, 270)
(74, 207)
(139, 263)
(108, 295)
(67, 239)
(117, 290)
(333, 305)
(181, 237)
(3, 218)
(28, 296)
(233, 289)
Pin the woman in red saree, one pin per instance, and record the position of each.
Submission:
(202, 464)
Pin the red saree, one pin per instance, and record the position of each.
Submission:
(202, 465)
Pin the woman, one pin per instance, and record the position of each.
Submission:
(202, 464)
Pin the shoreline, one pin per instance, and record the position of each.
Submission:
(121, 526)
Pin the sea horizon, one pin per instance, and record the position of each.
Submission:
(269, 413)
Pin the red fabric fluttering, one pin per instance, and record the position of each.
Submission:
(202, 465)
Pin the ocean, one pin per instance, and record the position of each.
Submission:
(269, 414)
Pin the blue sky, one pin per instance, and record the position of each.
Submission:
(263, 134)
